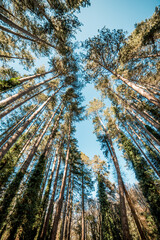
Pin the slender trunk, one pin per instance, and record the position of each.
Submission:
(14, 57)
(134, 86)
(60, 200)
(46, 222)
(64, 210)
(147, 159)
(12, 24)
(17, 34)
(24, 79)
(4, 9)
(83, 221)
(146, 138)
(70, 214)
(4, 113)
(124, 220)
(16, 96)
(68, 206)
(4, 149)
(147, 117)
(34, 149)
(8, 135)
(134, 214)
(143, 127)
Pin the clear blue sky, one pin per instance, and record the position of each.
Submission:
(114, 14)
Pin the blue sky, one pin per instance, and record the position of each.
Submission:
(114, 14)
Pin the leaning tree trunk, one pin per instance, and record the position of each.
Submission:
(143, 127)
(60, 200)
(4, 113)
(12, 24)
(4, 149)
(134, 86)
(124, 220)
(64, 209)
(147, 138)
(147, 159)
(46, 222)
(83, 221)
(70, 214)
(134, 214)
(16, 96)
(8, 135)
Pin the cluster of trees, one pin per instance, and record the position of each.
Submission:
(46, 183)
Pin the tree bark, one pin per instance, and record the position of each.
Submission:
(60, 200)
(64, 210)
(4, 149)
(12, 24)
(124, 220)
(46, 222)
(4, 113)
(16, 96)
(143, 127)
(134, 214)
(134, 86)
(8, 135)
(147, 159)
(35, 147)
(83, 211)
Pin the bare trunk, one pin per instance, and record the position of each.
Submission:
(147, 159)
(147, 117)
(17, 34)
(83, 221)
(16, 96)
(46, 222)
(34, 149)
(4, 149)
(134, 214)
(12, 24)
(143, 127)
(4, 113)
(14, 57)
(147, 138)
(124, 220)
(8, 135)
(60, 200)
(134, 86)
(70, 214)
(64, 210)
(24, 79)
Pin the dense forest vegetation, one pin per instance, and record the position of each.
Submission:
(49, 188)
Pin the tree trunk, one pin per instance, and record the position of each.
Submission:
(143, 127)
(46, 222)
(70, 214)
(64, 210)
(146, 138)
(83, 212)
(134, 86)
(16, 96)
(134, 214)
(68, 206)
(24, 79)
(8, 135)
(60, 200)
(4, 149)
(124, 220)
(14, 57)
(35, 147)
(4, 113)
(12, 24)
(147, 159)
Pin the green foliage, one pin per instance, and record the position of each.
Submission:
(147, 181)
(5, 85)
